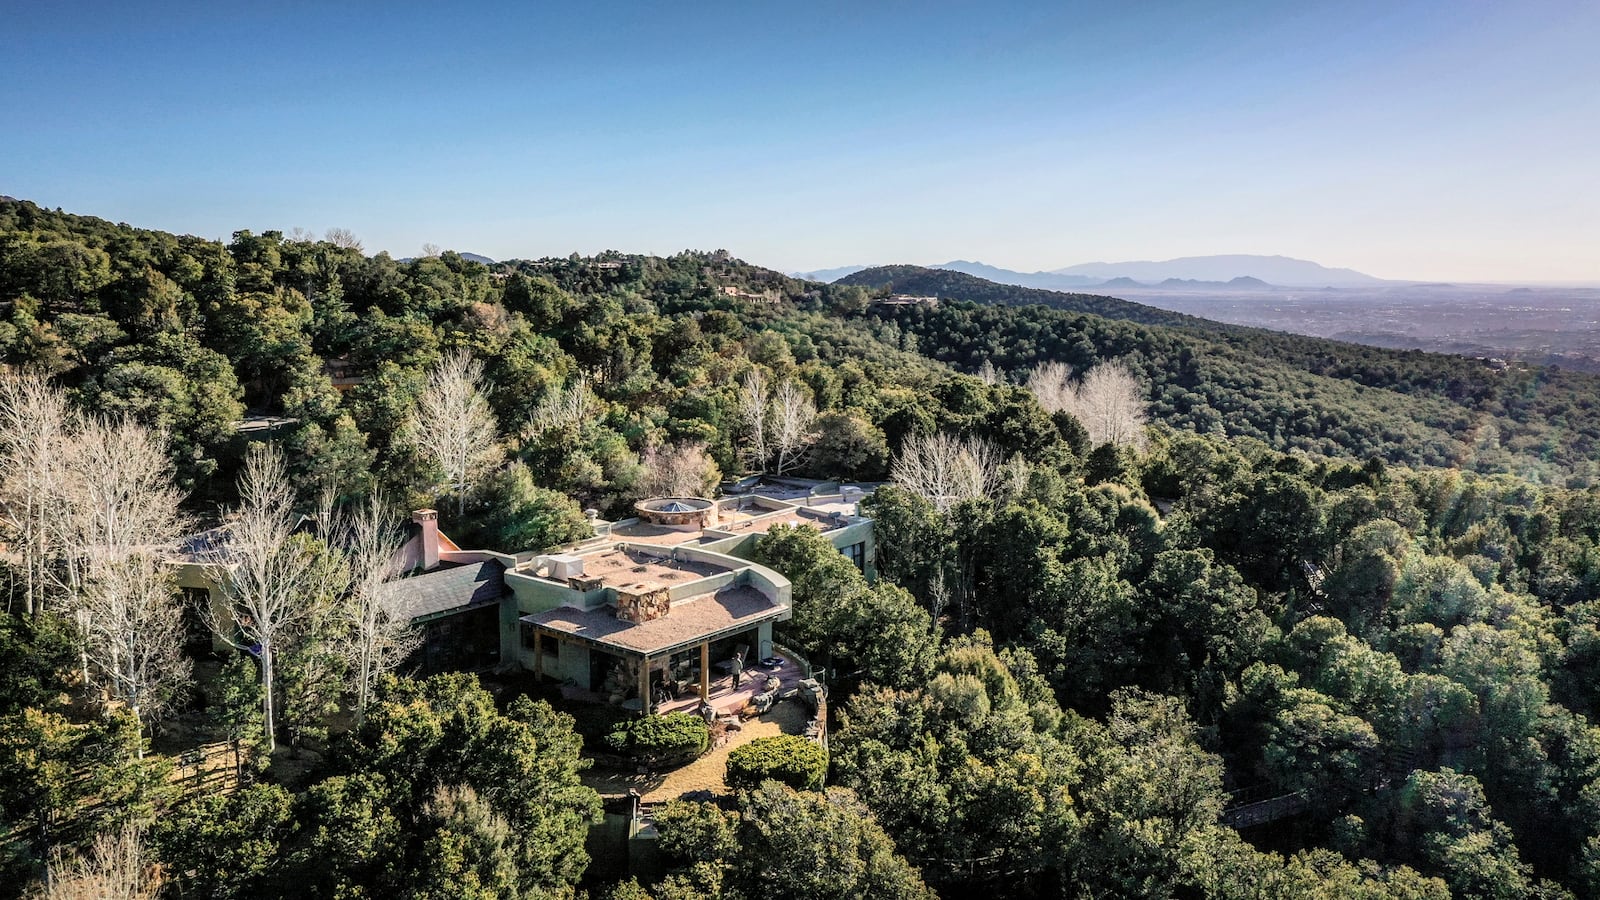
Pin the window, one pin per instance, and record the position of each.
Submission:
(546, 643)
(857, 554)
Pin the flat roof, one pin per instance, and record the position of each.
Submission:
(646, 533)
(706, 617)
(763, 524)
(639, 570)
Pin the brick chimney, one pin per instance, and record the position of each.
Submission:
(428, 540)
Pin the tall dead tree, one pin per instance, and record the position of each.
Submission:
(753, 416)
(120, 513)
(947, 470)
(270, 576)
(793, 417)
(135, 634)
(35, 421)
(1051, 384)
(453, 425)
(1111, 407)
(379, 633)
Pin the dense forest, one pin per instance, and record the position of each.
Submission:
(1295, 392)
(1361, 585)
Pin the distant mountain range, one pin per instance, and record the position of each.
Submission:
(469, 257)
(1235, 272)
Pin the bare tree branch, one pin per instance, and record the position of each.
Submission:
(453, 425)
(270, 577)
(115, 868)
(34, 424)
(565, 407)
(380, 635)
(793, 416)
(120, 514)
(1110, 405)
(947, 470)
(753, 415)
(679, 470)
(1051, 384)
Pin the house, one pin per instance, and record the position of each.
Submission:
(623, 619)
(454, 596)
(734, 523)
(656, 603)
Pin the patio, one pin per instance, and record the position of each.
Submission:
(724, 698)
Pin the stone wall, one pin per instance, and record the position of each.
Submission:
(642, 606)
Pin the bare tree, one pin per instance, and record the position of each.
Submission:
(343, 238)
(1110, 405)
(115, 868)
(135, 636)
(270, 576)
(1051, 384)
(1108, 401)
(122, 498)
(120, 513)
(988, 374)
(380, 634)
(563, 407)
(793, 418)
(430, 251)
(753, 415)
(679, 470)
(947, 470)
(34, 424)
(453, 424)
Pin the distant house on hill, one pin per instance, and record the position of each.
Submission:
(906, 300)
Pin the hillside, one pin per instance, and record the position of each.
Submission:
(1291, 391)
(1087, 653)
(960, 285)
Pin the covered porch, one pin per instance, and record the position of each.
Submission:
(672, 663)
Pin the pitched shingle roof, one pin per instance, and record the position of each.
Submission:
(448, 590)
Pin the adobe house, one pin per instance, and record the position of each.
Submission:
(731, 525)
(662, 600)
(626, 620)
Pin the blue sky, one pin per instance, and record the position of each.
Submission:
(1454, 140)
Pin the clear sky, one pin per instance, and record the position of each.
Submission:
(1452, 140)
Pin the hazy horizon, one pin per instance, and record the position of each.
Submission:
(1416, 141)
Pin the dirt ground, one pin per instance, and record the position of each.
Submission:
(705, 773)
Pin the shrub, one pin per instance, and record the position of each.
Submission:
(672, 739)
(787, 758)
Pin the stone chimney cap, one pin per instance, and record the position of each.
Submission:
(424, 515)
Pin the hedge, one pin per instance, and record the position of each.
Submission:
(788, 758)
(668, 740)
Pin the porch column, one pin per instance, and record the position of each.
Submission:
(644, 685)
(705, 672)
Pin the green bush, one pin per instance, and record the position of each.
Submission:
(672, 739)
(787, 758)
